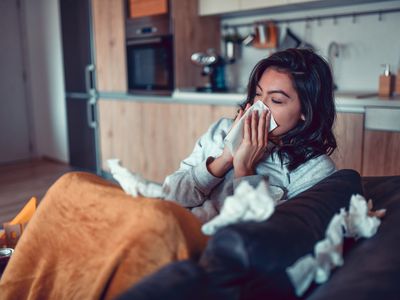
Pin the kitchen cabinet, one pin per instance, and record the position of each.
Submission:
(145, 8)
(210, 7)
(192, 34)
(109, 45)
(381, 142)
(256, 4)
(381, 153)
(349, 130)
(368, 142)
(152, 138)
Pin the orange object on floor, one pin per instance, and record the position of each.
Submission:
(13, 230)
(90, 240)
(26, 213)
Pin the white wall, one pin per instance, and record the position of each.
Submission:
(46, 78)
(365, 44)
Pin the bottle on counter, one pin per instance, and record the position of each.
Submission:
(386, 83)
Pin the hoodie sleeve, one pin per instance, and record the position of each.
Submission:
(192, 183)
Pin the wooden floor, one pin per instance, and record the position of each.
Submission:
(21, 181)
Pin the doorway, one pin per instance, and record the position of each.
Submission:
(15, 137)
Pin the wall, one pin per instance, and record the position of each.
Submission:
(364, 45)
(45, 78)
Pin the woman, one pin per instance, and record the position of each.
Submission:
(90, 240)
(296, 86)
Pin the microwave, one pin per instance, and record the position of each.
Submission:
(150, 56)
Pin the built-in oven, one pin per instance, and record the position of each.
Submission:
(149, 49)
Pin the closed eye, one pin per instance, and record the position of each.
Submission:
(277, 101)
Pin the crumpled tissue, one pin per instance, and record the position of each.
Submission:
(246, 204)
(132, 183)
(235, 136)
(328, 253)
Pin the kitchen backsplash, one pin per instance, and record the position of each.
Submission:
(362, 43)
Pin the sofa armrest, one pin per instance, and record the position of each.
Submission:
(259, 253)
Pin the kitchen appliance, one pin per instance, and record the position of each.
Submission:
(213, 66)
(80, 84)
(149, 50)
(232, 46)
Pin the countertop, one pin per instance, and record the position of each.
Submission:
(346, 101)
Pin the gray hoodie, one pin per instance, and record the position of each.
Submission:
(194, 187)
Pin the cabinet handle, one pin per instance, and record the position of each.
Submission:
(143, 41)
(89, 69)
(91, 112)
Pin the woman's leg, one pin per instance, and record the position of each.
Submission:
(89, 240)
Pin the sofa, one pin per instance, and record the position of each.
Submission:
(249, 260)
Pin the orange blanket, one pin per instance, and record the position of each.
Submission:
(89, 240)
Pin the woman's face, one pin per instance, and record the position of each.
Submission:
(275, 89)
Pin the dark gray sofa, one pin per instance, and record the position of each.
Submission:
(248, 260)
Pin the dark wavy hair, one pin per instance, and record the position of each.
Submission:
(312, 79)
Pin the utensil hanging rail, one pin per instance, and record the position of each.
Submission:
(379, 12)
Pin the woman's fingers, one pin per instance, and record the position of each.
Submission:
(247, 128)
(254, 128)
(261, 129)
(239, 115)
(267, 123)
(375, 213)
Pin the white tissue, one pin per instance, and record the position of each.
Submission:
(328, 253)
(132, 183)
(235, 136)
(246, 204)
(358, 224)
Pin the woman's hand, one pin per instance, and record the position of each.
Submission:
(375, 213)
(223, 163)
(254, 144)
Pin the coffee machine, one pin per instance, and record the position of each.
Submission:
(213, 66)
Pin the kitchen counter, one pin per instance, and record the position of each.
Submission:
(351, 101)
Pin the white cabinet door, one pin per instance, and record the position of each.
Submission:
(301, 1)
(255, 4)
(213, 7)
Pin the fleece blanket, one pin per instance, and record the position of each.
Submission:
(90, 240)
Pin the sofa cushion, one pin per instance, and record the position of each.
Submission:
(248, 260)
(371, 267)
(259, 253)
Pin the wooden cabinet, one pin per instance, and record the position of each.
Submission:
(145, 8)
(381, 142)
(381, 153)
(370, 142)
(349, 130)
(192, 33)
(152, 138)
(109, 45)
